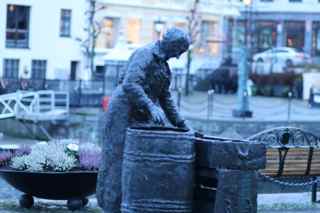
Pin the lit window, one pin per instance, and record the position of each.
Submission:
(109, 31)
(133, 30)
(181, 25)
(208, 38)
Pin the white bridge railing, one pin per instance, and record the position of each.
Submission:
(39, 105)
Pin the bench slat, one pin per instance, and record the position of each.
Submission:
(296, 161)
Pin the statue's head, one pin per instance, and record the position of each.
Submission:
(174, 42)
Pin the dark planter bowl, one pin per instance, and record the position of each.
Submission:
(52, 185)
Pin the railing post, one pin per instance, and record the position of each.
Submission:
(68, 101)
(289, 106)
(104, 86)
(314, 191)
(80, 92)
(179, 99)
(210, 105)
(37, 101)
(52, 100)
(17, 100)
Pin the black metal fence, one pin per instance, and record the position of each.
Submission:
(82, 93)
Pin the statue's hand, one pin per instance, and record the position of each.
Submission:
(158, 115)
(183, 125)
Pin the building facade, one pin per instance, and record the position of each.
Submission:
(278, 23)
(38, 39)
(142, 21)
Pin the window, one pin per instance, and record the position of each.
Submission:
(65, 23)
(133, 30)
(316, 38)
(39, 69)
(265, 35)
(208, 37)
(295, 34)
(109, 31)
(181, 25)
(11, 68)
(17, 29)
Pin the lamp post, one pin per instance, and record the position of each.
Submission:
(242, 109)
(159, 26)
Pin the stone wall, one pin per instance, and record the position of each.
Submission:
(246, 128)
(87, 124)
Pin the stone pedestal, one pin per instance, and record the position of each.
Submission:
(226, 178)
(236, 192)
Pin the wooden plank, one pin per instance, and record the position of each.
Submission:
(295, 162)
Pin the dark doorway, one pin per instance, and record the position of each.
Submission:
(73, 71)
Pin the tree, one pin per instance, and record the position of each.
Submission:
(92, 29)
(193, 30)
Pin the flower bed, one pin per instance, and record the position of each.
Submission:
(55, 170)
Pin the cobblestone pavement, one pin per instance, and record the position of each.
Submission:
(9, 202)
(267, 203)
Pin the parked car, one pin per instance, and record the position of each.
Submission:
(277, 59)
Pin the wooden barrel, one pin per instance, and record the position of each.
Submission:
(158, 171)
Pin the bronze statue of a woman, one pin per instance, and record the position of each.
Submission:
(142, 98)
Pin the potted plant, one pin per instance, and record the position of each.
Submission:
(59, 170)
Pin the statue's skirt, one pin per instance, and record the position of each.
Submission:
(158, 171)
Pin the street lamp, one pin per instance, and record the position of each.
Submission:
(247, 2)
(242, 109)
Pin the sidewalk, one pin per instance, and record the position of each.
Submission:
(263, 108)
(287, 203)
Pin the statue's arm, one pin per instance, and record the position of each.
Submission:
(170, 110)
(133, 83)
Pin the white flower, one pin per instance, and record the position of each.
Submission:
(42, 143)
(45, 157)
(73, 147)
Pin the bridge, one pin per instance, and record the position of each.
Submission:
(35, 106)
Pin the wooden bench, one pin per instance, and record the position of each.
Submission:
(292, 155)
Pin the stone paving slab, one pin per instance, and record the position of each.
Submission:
(45, 206)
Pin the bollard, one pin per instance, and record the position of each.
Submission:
(289, 106)
(210, 105)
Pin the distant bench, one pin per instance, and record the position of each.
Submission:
(293, 157)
